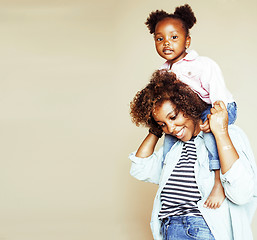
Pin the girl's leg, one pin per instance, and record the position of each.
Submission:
(210, 143)
(232, 112)
(217, 194)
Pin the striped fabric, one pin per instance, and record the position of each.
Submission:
(180, 194)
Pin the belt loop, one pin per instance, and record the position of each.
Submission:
(184, 220)
(165, 226)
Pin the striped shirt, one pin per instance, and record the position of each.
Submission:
(180, 193)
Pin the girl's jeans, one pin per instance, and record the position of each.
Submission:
(209, 139)
(185, 228)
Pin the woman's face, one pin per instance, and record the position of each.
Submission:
(175, 123)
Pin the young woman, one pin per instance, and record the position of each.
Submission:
(184, 178)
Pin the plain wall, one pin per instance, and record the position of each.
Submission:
(68, 72)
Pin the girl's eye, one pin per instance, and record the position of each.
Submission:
(162, 125)
(159, 39)
(174, 37)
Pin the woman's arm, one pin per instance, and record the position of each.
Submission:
(237, 162)
(146, 148)
(219, 126)
(147, 164)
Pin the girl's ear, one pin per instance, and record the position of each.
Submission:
(188, 42)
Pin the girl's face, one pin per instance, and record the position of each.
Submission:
(171, 40)
(175, 123)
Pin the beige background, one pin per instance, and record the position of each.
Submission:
(68, 72)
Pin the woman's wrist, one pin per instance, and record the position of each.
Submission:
(155, 132)
(221, 134)
(146, 148)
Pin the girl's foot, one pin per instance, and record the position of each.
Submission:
(216, 196)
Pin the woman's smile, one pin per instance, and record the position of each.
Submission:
(180, 134)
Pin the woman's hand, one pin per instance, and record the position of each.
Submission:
(218, 119)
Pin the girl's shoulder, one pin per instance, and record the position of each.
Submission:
(204, 59)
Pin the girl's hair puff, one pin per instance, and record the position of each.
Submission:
(164, 86)
(183, 13)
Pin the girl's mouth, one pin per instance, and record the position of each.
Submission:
(167, 51)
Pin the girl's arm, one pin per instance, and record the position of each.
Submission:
(146, 148)
(219, 126)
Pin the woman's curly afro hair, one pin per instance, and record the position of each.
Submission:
(164, 86)
(183, 13)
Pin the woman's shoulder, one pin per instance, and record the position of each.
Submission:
(236, 130)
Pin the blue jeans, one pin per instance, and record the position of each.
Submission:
(209, 139)
(185, 228)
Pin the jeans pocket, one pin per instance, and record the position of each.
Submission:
(199, 232)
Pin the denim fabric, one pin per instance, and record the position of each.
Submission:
(232, 112)
(185, 228)
(208, 137)
(169, 141)
(232, 219)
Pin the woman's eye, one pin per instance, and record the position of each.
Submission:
(173, 117)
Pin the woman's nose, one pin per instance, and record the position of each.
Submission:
(171, 128)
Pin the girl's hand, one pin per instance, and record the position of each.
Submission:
(218, 118)
(205, 127)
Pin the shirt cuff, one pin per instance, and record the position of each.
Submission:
(133, 158)
(232, 174)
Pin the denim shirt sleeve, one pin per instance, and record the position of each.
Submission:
(239, 181)
(147, 169)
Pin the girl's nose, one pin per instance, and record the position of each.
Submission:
(166, 43)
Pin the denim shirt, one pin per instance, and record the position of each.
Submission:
(232, 220)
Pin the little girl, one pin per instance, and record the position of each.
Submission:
(203, 75)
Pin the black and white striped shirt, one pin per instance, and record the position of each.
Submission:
(180, 193)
